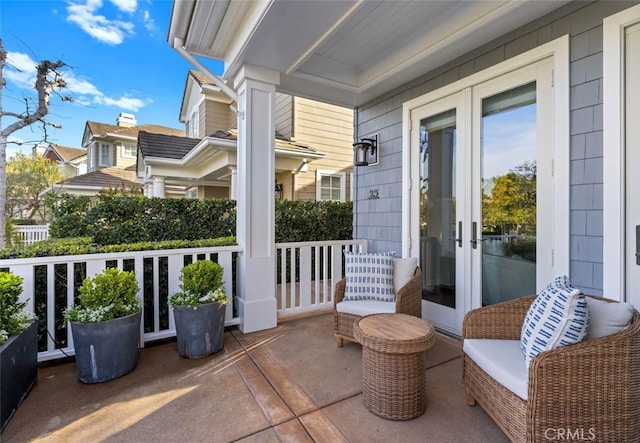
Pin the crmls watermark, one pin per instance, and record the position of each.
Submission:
(567, 434)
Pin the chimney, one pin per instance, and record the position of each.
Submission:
(126, 120)
(38, 149)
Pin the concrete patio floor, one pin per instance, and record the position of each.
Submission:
(287, 384)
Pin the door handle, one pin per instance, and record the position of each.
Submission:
(638, 245)
(474, 235)
(459, 239)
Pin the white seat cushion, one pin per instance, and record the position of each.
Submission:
(502, 360)
(607, 318)
(365, 307)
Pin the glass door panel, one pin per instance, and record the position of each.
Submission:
(438, 208)
(508, 193)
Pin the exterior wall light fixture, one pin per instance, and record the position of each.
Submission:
(278, 192)
(366, 152)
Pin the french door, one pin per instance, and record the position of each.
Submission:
(484, 157)
(632, 162)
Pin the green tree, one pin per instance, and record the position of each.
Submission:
(49, 80)
(511, 203)
(27, 177)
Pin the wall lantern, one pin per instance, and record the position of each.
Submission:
(278, 191)
(366, 152)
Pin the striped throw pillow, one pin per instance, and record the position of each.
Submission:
(369, 276)
(559, 316)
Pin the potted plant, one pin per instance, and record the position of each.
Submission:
(199, 309)
(18, 347)
(106, 326)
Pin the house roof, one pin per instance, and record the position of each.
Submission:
(176, 148)
(104, 129)
(112, 177)
(282, 142)
(67, 154)
(165, 146)
(197, 78)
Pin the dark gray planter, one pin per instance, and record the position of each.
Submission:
(106, 350)
(18, 370)
(199, 332)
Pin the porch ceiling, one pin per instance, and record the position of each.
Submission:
(344, 52)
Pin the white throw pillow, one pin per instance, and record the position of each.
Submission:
(403, 270)
(607, 318)
(369, 276)
(559, 316)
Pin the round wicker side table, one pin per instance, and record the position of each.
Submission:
(393, 363)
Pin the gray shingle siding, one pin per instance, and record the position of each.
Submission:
(379, 220)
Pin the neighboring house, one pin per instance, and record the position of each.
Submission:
(313, 154)
(72, 161)
(461, 94)
(111, 152)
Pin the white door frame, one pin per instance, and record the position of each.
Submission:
(558, 50)
(613, 217)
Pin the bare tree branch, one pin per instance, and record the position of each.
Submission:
(49, 80)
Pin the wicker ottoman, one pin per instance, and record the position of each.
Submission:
(393, 363)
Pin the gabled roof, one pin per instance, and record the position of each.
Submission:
(206, 86)
(103, 129)
(165, 146)
(65, 153)
(282, 143)
(200, 77)
(176, 148)
(112, 177)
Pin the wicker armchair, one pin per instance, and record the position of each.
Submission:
(590, 389)
(408, 301)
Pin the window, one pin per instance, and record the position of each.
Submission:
(194, 126)
(192, 193)
(105, 155)
(90, 151)
(129, 151)
(330, 186)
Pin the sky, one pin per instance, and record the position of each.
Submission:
(118, 61)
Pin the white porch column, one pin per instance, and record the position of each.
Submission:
(233, 187)
(148, 189)
(158, 187)
(255, 201)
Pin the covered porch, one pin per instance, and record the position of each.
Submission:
(289, 384)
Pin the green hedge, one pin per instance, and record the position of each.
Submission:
(85, 245)
(112, 218)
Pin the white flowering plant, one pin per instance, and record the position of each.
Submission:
(200, 283)
(13, 318)
(106, 296)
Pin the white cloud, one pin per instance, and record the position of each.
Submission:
(21, 71)
(129, 6)
(149, 23)
(124, 102)
(85, 15)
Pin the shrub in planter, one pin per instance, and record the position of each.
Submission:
(18, 347)
(199, 309)
(106, 326)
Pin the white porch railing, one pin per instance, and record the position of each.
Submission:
(308, 271)
(32, 233)
(51, 283)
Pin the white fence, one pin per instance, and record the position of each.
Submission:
(309, 271)
(33, 233)
(306, 276)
